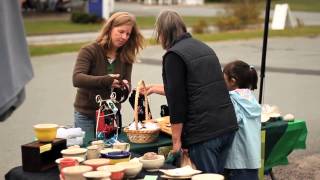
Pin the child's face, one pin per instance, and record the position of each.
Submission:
(229, 82)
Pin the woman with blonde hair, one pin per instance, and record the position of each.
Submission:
(103, 65)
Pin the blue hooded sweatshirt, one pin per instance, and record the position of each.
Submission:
(245, 150)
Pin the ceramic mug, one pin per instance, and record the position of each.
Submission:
(122, 146)
(99, 143)
(93, 152)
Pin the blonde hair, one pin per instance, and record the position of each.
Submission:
(169, 27)
(127, 53)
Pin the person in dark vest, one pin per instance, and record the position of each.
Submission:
(201, 112)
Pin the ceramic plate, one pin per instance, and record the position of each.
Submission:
(179, 177)
(180, 172)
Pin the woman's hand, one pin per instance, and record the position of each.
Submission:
(154, 88)
(148, 90)
(126, 83)
(116, 82)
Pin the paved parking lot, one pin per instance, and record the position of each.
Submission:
(292, 83)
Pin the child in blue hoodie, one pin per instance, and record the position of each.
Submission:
(243, 160)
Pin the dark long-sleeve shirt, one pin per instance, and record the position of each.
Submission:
(175, 89)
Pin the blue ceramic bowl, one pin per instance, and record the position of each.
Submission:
(116, 154)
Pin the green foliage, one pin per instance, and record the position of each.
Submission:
(239, 15)
(300, 5)
(84, 18)
(200, 27)
(247, 11)
(228, 23)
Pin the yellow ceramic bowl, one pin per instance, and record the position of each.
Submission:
(115, 161)
(45, 132)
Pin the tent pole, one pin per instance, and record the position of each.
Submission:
(264, 48)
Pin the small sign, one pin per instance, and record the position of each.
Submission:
(282, 17)
(107, 8)
(45, 148)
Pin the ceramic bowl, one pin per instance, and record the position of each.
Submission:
(131, 169)
(68, 161)
(75, 172)
(107, 150)
(97, 175)
(45, 132)
(95, 163)
(207, 176)
(74, 152)
(117, 156)
(122, 146)
(152, 164)
(98, 143)
(117, 172)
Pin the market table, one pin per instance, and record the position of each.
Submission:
(17, 173)
(281, 138)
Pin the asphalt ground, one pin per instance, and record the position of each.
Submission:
(291, 82)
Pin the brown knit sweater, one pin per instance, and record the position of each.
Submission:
(91, 78)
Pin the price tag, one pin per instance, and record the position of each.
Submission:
(45, 148)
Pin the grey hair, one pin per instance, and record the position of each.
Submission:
(169, 27)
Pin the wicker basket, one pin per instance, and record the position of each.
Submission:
(138, 135)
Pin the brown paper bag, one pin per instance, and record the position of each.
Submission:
(186, 161)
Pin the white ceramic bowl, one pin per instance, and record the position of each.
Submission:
(95, 163)
(154, 164)
(117, 171)
(131, 169)
(74, 152)
(207, 176)
(99, 175)
(75, 172)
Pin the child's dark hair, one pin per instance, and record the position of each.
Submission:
(245, 75)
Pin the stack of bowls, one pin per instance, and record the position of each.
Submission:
(74, 152)
(97, 175)
(75, 172)
(95, 163)
(117, 172)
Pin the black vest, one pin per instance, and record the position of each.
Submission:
(210, 110)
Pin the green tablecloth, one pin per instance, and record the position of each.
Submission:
(281, 139)
(163, 140)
